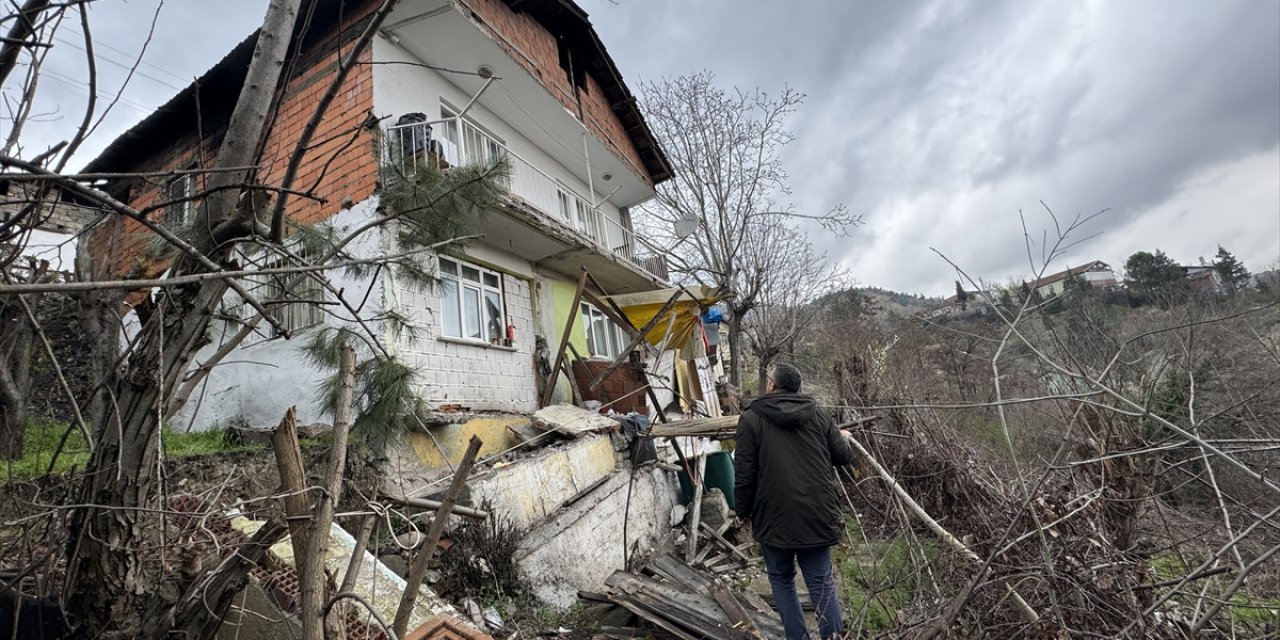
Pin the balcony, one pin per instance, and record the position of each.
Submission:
(456, 141)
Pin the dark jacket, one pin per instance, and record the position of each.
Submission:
(785, 476)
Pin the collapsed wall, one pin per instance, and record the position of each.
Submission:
(583, 507)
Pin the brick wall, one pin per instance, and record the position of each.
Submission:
(474, 376)
(624, 387)
(536, 49)
(343, 166)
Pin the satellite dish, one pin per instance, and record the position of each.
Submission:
(686, 226)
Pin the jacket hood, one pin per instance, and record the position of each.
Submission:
(786, 410)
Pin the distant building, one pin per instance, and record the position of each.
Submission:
(1097, 274)
(1202, 278)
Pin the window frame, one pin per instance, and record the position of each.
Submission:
(454, 283)
(308, 296)
(180, 214)
(614, 339)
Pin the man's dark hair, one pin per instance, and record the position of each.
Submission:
(786, 377)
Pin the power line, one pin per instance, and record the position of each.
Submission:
(126, 67)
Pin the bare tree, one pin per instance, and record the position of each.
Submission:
(788, 302)
(729, 188)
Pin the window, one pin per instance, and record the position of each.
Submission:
(604, 338)
(295, 307)
(180, 212)
(471, 303)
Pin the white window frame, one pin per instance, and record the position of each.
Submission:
(180, 214)
(488, 286)
(604, 338)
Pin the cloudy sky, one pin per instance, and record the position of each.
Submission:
(940, 121)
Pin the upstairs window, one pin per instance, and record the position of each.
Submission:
(294, 300)
(604, 338)
(178, 192)
(471, 303)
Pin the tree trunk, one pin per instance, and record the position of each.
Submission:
(763, 379)
(17, 341)
(118, 585)
(735, 348)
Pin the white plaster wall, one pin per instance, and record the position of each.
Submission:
(262, 378)
(477, 376)
(404, 88)
(582, 546)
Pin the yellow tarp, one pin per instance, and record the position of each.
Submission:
(682, 319)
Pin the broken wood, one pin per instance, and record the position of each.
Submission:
(729, 546)
(422, 561)
(715, 428)
(695, 514)
(293, 480)
(738, 613)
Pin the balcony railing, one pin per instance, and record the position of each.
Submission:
(456, 141)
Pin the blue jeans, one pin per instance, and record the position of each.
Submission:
(815, 564)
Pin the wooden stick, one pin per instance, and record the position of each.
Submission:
(422, 561)
(357, 555)
(564, 340)
(311, 566)
(635, 342)
(293, 480)
(696, 515)
(434, 505)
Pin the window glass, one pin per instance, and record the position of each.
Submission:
(470, 273)
(450, 308)
(493, 316)
(491, 280)
(471, 313)
(448, 266)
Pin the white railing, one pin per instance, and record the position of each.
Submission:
(439, 144)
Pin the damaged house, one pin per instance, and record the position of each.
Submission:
(558, 303)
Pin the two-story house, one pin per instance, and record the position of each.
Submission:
(445, 81)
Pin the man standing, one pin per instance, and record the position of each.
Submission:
(785, 488)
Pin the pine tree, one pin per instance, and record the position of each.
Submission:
(1230, 270)
(962, 296)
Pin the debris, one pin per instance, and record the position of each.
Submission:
(678, 514)
(685, 603)
(572, 421)
(447, 627)
(715, 508)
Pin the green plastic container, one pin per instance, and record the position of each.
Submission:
(719, 474)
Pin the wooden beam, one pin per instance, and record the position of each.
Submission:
(564, 339)
(293, 481)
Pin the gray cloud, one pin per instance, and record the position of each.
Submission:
(942, 120)
(939, 120)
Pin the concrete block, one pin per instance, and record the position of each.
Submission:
(533, 488)
(572, 421)
(582, 545)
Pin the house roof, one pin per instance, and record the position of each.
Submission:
(211, 98)
(567, 20)
(1096, 265)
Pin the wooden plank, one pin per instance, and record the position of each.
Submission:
(673, 569)
(725, 543)
(697, 611)
(655, 618)
(745, 628)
